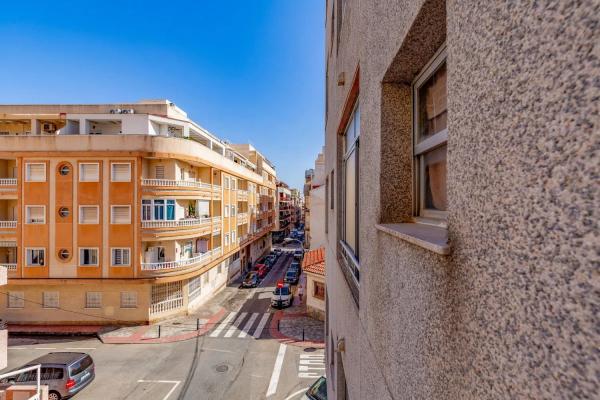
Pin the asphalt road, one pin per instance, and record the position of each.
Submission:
(219, 365)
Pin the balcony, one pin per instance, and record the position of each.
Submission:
(202, 189)
(242, 218)
(187, 227)
(8, 224)
(9, 266)
(8, 187)
(197, 260)
(242, 195)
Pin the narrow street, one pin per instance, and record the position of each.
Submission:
(237, 358)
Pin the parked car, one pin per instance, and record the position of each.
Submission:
(261, 270)
(298, 254)
(291, 276)
(65, 373)
(317, 391)
(282, 296)
(271, 259)
(278, 251)
(251, 280)
(295, 266)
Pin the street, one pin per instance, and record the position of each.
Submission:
(235, 359)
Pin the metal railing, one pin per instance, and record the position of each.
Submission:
(176, 223)
(242, 218)
(8, 181)
(8, 224)
(242, 195)
(188, 262)
(37, 368)
(9, 266)
(177, 183)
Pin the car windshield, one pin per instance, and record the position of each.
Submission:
(318, 390)
(291, 274)
(282, 291)
(80, 366)
(250, 276)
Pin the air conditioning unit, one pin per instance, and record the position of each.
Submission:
(48, 127)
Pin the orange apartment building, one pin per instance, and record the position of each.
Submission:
(123, 212)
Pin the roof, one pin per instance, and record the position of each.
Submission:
(314, 261)
(58, 358)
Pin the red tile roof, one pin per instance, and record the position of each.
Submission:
(314, 261)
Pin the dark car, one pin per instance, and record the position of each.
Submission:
(278, 252)
(298, 254)
(251, 280)
(270, 260)
(295, 266)
(65, 373)
(291, 276)
(317, 391)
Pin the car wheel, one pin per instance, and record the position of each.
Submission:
(53, 396)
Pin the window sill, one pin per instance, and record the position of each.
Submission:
(432, 238)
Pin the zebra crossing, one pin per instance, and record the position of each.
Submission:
(241, 325)
(311, 366)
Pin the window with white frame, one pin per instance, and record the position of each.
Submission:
(430, 127)
(35, 214)
(120, 172)
(50, 300)
(158, 210)
(88, 256)
(15, 299)
(159, 172)
(351, 168)
(226, 183)
(233, 184)
(233, 237)
(128, 299)
(120, 214)
(89, 172)
(35, 257)
(233, 211)
(227, 239)
(93, 300)
(120, 257)
(89, 214)
(226, 211)
(146, 210)
(35, 172)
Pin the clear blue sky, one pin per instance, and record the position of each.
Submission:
(248, 71)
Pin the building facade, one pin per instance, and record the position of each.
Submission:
(314, 195)
(461, 164)
(123, 212)
(313, 266)
(283, 225)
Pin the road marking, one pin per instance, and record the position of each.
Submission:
(80, 348)
(291, 396)
(311, 365)
(170, 391)
(261, 325)
(276, 370)
(222, 325)
(235, 324)
(45, 348)
(17, 348)
(248, 325)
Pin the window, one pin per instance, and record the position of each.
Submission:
(64, 169)
(120, 172)
(227, 239)
(163, 209)
(16, 299)
(146, 210)
(35, 172)
(35, 214)
(194, 287)
(159, 172)
(120, 214)
(35, 257)
(93, 300)
(63, 212)
(233, 184)
(120, 257)
(128, 299)
(88, 256)
(88, 214)
(226, 183)
(226, 211)
(171, 210)
(351, 176)
(233, 237)
(233, 211)
(89, 172)
(326, 202)
(332, 191)
(430, 138)
(49, 373)
(319, 290)
(50, 300)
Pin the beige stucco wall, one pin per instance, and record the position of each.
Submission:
(315, 306)
(512, 312)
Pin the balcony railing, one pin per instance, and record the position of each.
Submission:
(9, 266)
(8, 182)
(36, 387)
(197, 259)
(242, 195)
(242, 218)
(189, 222)
(8, 224)
(177, 183)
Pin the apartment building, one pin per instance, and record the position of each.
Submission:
(461, 165)
(283, 225)
(314, 204)
(123, 212)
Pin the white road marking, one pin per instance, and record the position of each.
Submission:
(170, 391)
(222, 325)
(248, 325)
(306, 368)
(45, 348)
(311, 365)
(291, 396)
(317, 356)
(80, 348)
(234, 326)
(276, 370)
(311, 362)
(261, 326)
(17, 348)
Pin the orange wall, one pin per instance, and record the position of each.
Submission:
(122, 193)
(90, 235)
(35, 193)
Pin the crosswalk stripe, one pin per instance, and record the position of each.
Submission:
(248, 325)
(261, 326)
(236, 323)
(222, 325)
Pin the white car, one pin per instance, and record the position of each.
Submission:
(282, 296)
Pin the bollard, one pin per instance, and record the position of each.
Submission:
(197, 324)
(278, 321)
(303, 334)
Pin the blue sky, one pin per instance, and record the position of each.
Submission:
(248, 71)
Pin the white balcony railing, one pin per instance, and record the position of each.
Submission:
(8, 224)
(197, 259)
(8, 181)
(178, 183)
(38, 387)
(176, 223)
(9, 266)
(242, 218)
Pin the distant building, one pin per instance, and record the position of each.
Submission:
(283, 223)
(313, 266)
(314, 194)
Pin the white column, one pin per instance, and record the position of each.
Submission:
(83, 126)
(35, 127)
(164, 130)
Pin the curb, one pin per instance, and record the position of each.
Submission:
(137, 338)
(275, 334)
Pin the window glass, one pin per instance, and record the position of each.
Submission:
(435, 196)
(88, 256)
(433, 108)
(350, 201)
(171, 210)
(146, 210)
(80, 366)
(36, 214)
(35, 257)
(159, 209)
(35, 172)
